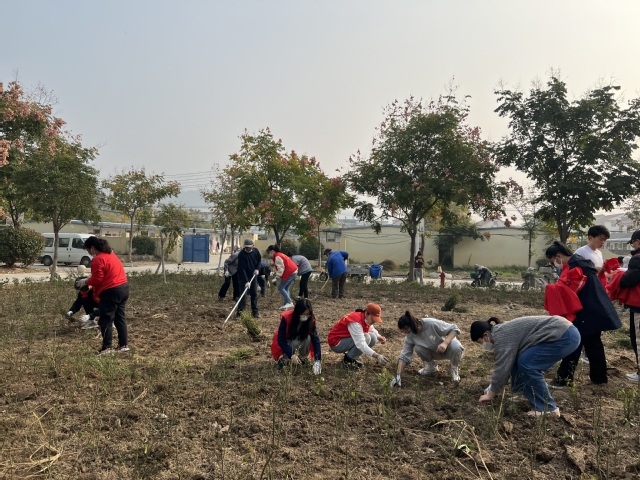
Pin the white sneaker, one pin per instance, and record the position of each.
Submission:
(287, 306)
(583, 358)
(429, 368)
(89, 324)
(84, 318)
(455, 374)
(632, 376)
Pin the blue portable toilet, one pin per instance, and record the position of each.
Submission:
(375, 271)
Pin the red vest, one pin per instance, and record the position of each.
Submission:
(626, 296)
(289, 266)
(341, 329)
(561, 298)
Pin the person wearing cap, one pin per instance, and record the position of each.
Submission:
(286, 271)
(625, 287)
(354, 334)
(524, 349)
(249, 260)
(432, 340)
(337, 271)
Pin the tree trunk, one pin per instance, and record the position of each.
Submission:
(131, 241)
(54, 266)
(224, 237)
(412, 254)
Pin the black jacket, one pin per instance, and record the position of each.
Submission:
(248, 262)
(598, 313)
(631, 277)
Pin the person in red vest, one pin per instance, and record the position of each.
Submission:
(286, 271)
(109, 282)
(354, 334)
(296, 338)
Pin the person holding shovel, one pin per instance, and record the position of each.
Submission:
(249, 260)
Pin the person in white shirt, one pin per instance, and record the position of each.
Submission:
(596, 238)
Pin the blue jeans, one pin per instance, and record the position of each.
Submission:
(285, 285)
(528, 370)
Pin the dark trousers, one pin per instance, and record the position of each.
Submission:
(88, 304)
(632, 334)
(263, 278)
(304, 285)
(594, 349)
(225, 286)
(337, 285)
(253, 292)
(112, 304)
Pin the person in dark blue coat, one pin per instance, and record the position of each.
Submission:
(337, 271)
(597, 315)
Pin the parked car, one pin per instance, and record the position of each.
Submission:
(70, 249)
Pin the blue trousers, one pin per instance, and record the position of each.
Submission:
(283, 288)
(527, 374)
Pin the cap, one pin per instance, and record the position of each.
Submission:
(635, 236)
(327, 251)
(374, 310)
(248, 242)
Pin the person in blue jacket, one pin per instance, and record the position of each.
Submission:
(337, 271)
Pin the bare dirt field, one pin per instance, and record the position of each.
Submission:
(196, 399)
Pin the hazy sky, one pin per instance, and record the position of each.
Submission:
(170, 85)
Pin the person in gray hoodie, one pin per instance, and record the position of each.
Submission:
(524, 349)
(230, 277)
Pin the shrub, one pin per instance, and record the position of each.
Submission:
(288, 247)
(144, 245)
(309, 248)
(389, 265)
(20, 245)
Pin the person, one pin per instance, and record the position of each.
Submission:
(86, 301)
(337, 271)
(432, 340)
(418, 265)
(109, 283)
(304, 272)
(354, 334)
(230, 277)
(296, 337)
(286, 271)
(525, 348)
(625, 287)
(597, 235)
(249, 260)
(264, 272)
(484, 274)
(596, 316)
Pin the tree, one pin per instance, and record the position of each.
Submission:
(224, 205)
(172, 219)
(133, 191)
(24, 124)
(523, 201)
(281, 191)
(632, 210)
(60, 185)
(425, 159)
(577, 153)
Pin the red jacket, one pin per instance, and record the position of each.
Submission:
(341, 329)
(107, 272)
(561, 298)
(609, 266)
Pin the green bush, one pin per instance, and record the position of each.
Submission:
(309, 248)
(144, 246)
(20, 245)
(288, 247)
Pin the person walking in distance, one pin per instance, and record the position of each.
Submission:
(248, 270)
(337, 271)
(109, 282)
(418, 265)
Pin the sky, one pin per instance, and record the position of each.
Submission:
(171, 85)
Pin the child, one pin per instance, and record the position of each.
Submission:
(85, 300)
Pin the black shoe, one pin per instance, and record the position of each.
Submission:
(220, 299)
(255, 315)
(351, 362)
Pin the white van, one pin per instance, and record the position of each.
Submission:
(70, 249)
